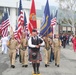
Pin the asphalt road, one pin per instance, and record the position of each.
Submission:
(67, 65)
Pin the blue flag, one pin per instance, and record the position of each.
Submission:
(25, 23)
(51, 17)
(45, 26)
(20, 8)
(56, 13)
(25, 20)
(5, 16)
(51, 22)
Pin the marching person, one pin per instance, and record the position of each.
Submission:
(56, 47)
(24, 52)
(47, 50)
(35, 57)
(52, 51)
(64, 40)
(74, 43)
(4, 45)
(12, 45)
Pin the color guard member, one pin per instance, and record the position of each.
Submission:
(57, 46)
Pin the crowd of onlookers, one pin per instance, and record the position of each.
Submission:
(66, 39)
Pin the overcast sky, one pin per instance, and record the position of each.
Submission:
(51, 2)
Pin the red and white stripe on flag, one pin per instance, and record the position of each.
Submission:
(20, 24)
(4, 27)
(53, 21)
(5, 24)
(16, 36)
(5, 32)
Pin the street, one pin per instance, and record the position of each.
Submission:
(67, 65)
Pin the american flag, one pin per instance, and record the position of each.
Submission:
(25, 25)
(16, 34)
(4, 25)
(54, 19)
(20, 21)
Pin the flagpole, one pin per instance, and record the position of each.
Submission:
(9, 19)
(17, 7)
(53, 27)
(17, 12)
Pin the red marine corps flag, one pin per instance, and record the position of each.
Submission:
(32, 18)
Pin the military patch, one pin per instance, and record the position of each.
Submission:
(33, 17)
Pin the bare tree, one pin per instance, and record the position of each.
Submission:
(68, 7)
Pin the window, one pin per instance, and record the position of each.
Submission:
(1, 13)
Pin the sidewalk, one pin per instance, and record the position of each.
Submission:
(0, 49)
(68, 52)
